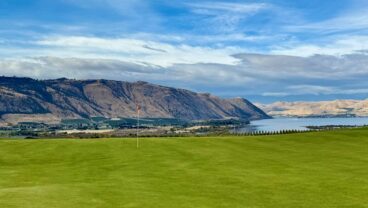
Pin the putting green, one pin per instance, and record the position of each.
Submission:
(324, 169)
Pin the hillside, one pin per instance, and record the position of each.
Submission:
(323, 108)
(25, 99)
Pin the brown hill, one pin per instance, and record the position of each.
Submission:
(322, 108)
(25, 99)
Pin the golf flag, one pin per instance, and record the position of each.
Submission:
(138, 108)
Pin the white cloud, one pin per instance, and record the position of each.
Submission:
(233, 37)
(225, 17)
(311, 89)
(315, 90)
(355, 19)
(324, 67)
(337, 47)
(128, 50)
(194, 67)
(53, 67)
(267, 75)
(212, 8)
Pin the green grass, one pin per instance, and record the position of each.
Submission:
(325, 169)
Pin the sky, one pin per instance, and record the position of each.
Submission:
(265, 51)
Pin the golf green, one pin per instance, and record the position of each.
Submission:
(321, 169)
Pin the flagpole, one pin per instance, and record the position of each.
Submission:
(137, 127)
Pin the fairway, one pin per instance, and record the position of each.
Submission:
(311, 170)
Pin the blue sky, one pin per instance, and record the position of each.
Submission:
(262, 50)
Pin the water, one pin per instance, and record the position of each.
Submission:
(279, 124)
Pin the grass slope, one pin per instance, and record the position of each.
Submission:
(326, 169)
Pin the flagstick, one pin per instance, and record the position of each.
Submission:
(138, 128)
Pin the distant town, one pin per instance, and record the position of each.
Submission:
(118, 127)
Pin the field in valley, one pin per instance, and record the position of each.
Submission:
(320, 169)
